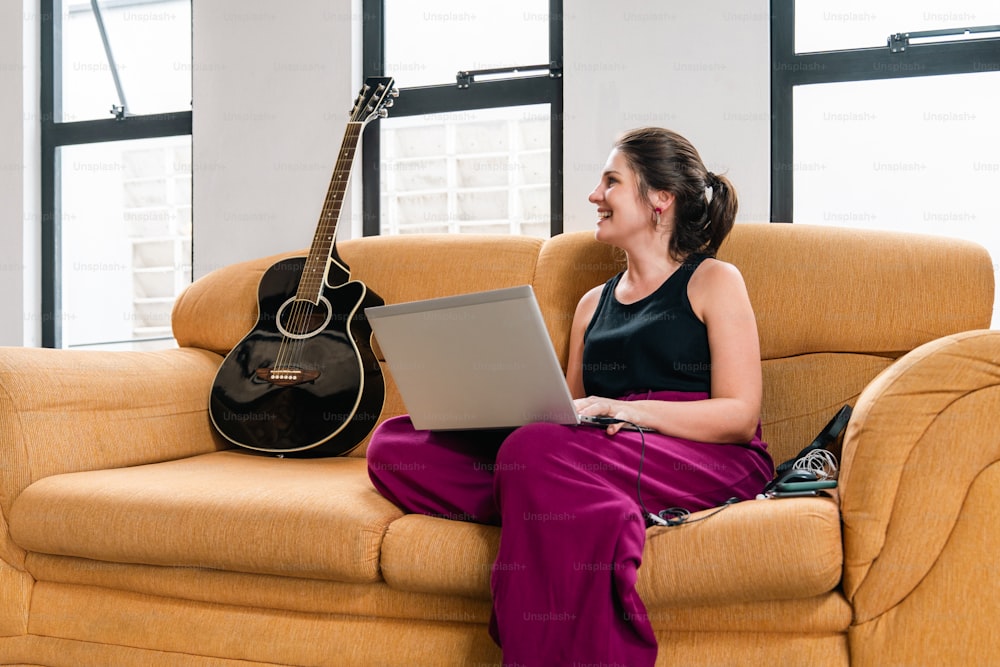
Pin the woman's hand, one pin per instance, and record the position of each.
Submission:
(598, 406)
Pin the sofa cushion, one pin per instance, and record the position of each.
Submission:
(778, 549)
(229, 510)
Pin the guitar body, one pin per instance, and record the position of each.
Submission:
(304, 381)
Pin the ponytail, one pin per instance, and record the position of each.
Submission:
(722, 207)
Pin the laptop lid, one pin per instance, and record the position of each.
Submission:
(481, 360)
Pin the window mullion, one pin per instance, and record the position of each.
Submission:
(482, 95)
(134, 127)
(50, 108)
(556, 121)
(941, 58)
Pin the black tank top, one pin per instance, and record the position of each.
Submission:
(654, 344)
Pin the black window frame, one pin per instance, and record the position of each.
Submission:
(450, 97)
(790, 69)
(56, 134)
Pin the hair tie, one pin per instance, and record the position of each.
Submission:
(711, 180)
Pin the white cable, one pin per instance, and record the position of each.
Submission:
(820, 461)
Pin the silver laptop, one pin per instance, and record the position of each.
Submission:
(474, 361)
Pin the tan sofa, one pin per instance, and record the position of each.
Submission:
(131, 534)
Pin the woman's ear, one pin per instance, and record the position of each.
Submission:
(661, 201)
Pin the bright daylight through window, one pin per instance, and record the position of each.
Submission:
(120, 197)
(481, 159)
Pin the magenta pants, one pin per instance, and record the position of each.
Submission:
(572, 535)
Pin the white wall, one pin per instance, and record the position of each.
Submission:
(701, 69)
(273, 86)
(272, 89)
(19, 174)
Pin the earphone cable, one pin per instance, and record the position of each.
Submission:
(677, 515)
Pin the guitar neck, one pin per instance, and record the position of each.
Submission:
(314, 271)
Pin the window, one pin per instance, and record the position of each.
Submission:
(116, 170)
(859, 24)
(483, 171)
(473, 143)
(898, 132)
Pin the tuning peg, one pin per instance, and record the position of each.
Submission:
(394, 92)
(383, 113)
(389, 102)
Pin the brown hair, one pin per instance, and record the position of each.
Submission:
(664, 160)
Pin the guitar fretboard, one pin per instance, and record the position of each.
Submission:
(314, 271)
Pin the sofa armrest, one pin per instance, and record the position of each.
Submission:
(920, 482)
(67, 411)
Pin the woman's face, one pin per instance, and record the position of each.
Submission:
(621, 213)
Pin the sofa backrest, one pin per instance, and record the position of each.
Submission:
(834, 306)
(217, 310)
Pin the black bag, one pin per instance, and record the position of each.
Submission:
(827, 438)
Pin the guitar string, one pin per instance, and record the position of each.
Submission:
(331, 213)
(301, 310)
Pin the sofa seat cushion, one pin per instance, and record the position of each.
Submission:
(778, 549)
(228, 510)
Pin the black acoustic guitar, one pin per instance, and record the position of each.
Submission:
(304, 381)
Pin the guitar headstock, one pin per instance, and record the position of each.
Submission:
(376, 96)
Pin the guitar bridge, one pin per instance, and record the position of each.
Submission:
(286, 377)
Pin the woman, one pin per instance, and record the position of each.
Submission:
(669, 345)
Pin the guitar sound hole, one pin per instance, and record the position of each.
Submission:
(298, 318)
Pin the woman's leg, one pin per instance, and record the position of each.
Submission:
(444, 474)
(564, 580)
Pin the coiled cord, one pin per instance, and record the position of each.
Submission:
(819, 461)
